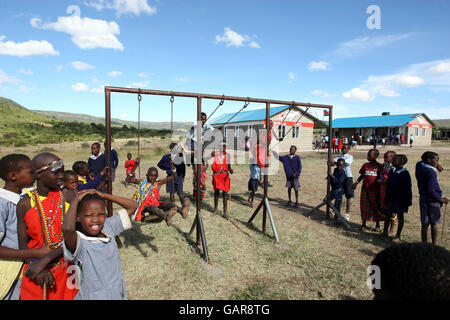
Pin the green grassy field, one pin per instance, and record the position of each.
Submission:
(315, 259)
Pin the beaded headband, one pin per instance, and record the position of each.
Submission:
(55, 164)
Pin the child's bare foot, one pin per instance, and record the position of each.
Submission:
(169, 216)
(396, 240)
(185, 208)
(378, 229)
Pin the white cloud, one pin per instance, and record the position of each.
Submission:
(291, 77)
(27, 48)
(182, 79)
(359, 46)
(143, 75)
(324, 94)
(114, 73)
(86, 33)
(6, 79)
(234, 39)
(100, 89)
(358, 94)
(318, 65)
(121, 7)
(409, 80)
(389, 93)
(80, 86)
(27, 72)
(79, 65)
(440, 68)
(59, 67)
(24, 89)
(143, 84)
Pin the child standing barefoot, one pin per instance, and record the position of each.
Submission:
(369, 191)
(89, 244)
(382, 179)
(398, 194)
(431, 199)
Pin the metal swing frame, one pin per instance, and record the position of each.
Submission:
(201, 239)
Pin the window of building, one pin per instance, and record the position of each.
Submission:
(296, 132)
(281, 131)
(417, 132)
(424, 132)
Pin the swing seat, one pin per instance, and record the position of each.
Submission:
(151, 218)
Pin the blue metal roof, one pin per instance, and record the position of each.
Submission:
(375, 121)
(253, 115)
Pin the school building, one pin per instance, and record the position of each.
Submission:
(418, 125)
(292, 124)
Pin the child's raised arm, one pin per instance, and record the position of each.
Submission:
(170, 178)
(69, 225)
(128, 204)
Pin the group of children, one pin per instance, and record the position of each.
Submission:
(56, 241)
(386, 192)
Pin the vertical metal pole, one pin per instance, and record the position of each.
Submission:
(108, 143)
(198, 162)
(139, 130)
(330, 133)
(266, 165)
(201, 238)
(108, 153)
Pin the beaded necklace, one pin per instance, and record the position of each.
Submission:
(47, 222)
(144, 189)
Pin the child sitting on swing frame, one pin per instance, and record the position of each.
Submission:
(151, 208)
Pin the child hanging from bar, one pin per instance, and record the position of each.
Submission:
(370, 189)
(16, 171)
(151, 208)
(292, 168)
(221, 168)
(39, 219)
(176, 185)
(382, 180)
(398, 197)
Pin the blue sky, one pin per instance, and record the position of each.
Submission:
(57, 55)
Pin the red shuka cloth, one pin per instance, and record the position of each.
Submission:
(152, 198)
(29, 289)
(221, 177)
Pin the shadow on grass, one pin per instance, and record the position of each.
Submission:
(136, 238)
(319, 216)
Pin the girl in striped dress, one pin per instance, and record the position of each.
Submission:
(370, 189)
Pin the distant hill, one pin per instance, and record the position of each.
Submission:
(20, 126)
(67, 116)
